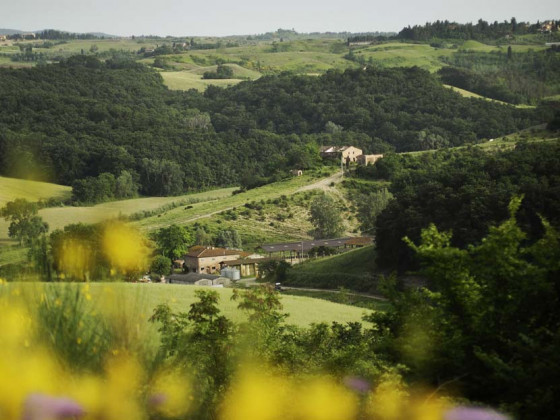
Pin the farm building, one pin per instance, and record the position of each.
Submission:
(296, 251)
(208, 260)
(246, 266)
(368, 159)
(346, 153)
(202, 259)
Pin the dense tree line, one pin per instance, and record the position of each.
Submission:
(510, 77)
(83, 117)
(466, 192)
(482, 30)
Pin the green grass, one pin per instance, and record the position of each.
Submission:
(352, 270)
(201, 211)
(405, 55)
(183, 80)
(58, 217)
(468, 94)
(139, 300)
(12, 254)
(342, 296)
(12, 188)
(355, 262)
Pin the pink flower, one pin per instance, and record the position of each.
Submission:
(357, 384)
(473, 413)
(44, 407)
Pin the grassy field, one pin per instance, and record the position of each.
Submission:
(12, 188)
(12, 254)
(201, 211)
(355, 262)
(395, 54)
(139, 300)
(184, 80)
(352, 270)
(342, 296)
(468, 94)
(58, 217)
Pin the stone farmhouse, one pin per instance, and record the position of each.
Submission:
(368, 159)
(202, 259)
(346, 153)
(208, 260)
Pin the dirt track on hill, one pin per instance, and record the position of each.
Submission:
(324, 184)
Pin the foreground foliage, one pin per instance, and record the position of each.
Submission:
(488, 325)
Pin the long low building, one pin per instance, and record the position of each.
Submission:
(301, 248)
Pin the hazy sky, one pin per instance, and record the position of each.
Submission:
(221, 17)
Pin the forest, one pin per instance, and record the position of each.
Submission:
(481, 31)
(83, 117)
(465, 192)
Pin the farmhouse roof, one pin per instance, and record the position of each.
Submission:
(245, 261)
(204, 252)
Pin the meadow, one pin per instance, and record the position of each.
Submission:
(138, 300)
(200, 211)
(12, 188)
(58, 217)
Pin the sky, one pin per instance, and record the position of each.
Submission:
(243, 17)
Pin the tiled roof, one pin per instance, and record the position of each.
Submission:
(204, 252)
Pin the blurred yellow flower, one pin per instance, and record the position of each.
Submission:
(170, 393)
(323, 399)
(257, 395)
(75, 259)
(125, 247)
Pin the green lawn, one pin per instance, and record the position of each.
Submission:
(139, 300)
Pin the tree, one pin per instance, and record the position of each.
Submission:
(201, 237)
(370, 206)
(487, 321)
(228, 238)
(125, 187)
(173, 241)
(325, 217)
(160, 265)
(25, 224)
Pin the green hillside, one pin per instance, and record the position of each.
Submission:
(12, 188)
(58, 217)
(352, 270)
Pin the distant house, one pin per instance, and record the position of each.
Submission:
(2, 37)
(346, 153)
(196, 279)
(202, 259)
(368, 159)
